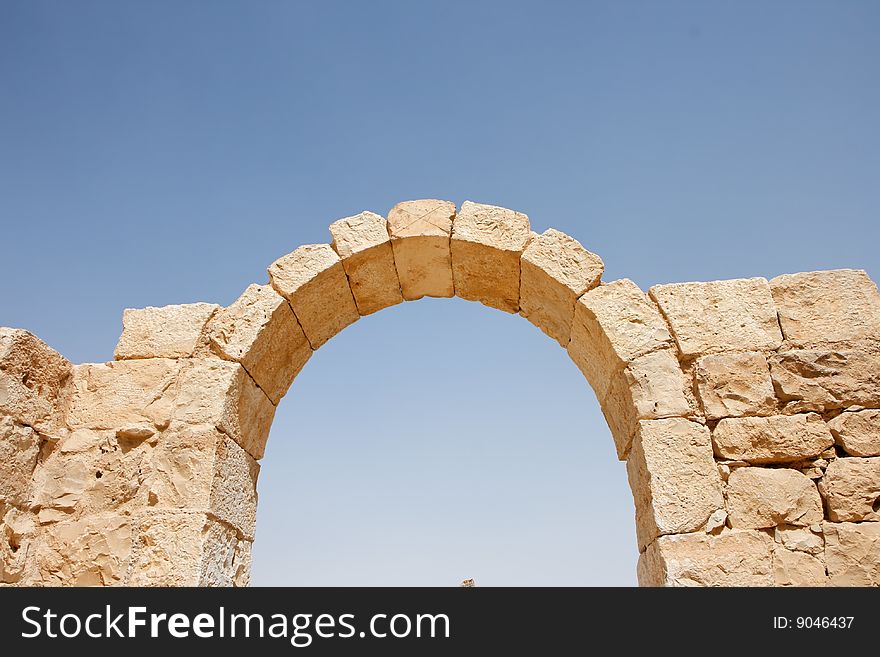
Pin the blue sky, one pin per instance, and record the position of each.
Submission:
(166, 152)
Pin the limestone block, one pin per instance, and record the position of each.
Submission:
(166, 332)
(420, 233)
(613, 325)
(819, 379)
(797, 569)
(363, 243)
(260, 331)
(827, 306)
(226, 558)
(17, 531)
(33, 381)
(735, 384)
(732, 558)
(234, 487)
(19, 448)
(775, 439)
(556, 270)
(672, 474)
(801, 539)
(487, 242)
(851, 488)
(313, 280)
(765, 497)
(90, 551)
(852, 553)
(650, 387)
(735, 315)
(858, 432)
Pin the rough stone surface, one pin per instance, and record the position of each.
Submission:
(313, 279)
(797, 569)
(820, 379)
(91, 551)
(801, 539)
(19, 448)
(420, 233)
(260, 331)
(858, 432)
(776, 439)
(851, 488)
(852, 553)
(673, 477)
(363, 243)
(735, 384)
(487, 242)
(827, 306)
(764, 497)
(733, 558)
(613, 325)
(735, 315)
(166, 332)
(556, 270)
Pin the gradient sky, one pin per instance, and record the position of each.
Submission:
(166, 152)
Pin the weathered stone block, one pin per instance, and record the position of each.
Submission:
(363, 243)
(776, 439)
(166, 332)
(851, 488)
(487, 242)
(556, 270)
(674, 481)
(764, 497)
(19, 448)
(17, 550)
(800, 539)
(820, 307)
(852, 553)
(313, 280)
(91, 551)
(735, 315)
(797, 569)
(260, 331)
(858, 432)
(420, 233)
(735, 384)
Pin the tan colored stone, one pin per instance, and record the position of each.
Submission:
(776, 439)
(851, 488)
(556, 270)
(765, 497)
(613, 325)
(487, 242)
(797, 569)
(17, 532)
(33, 381)
(820, 380)
(19, 448)
(420, 233)
(166, 332)
(91, 551)
(819, 307)
(363, 243)
(735, 384)
(858, 432)
(732, 558)
(260, 331)
(673, 477)
(852, 553)
(650, 387)
(735, 315)
(800, 539)
(313, 280)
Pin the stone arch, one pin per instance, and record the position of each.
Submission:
(746, 410)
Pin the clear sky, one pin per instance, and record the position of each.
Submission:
(166, 152)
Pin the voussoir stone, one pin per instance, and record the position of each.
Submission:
(734, 315)
(313, 280)
(858, 432)
(556, 270)
(818, 307)
(732, 558)
(363, 243)
(165, 332)
(487, 243)
(260, 331)
(420, 232)
(613, 325)
(851, 488)
(765, 497)
(673, 477)
(852, 553)
(775, 439)
(735, 384)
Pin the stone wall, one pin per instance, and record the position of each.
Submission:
(748, 411)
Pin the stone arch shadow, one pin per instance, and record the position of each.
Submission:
(747, 411)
